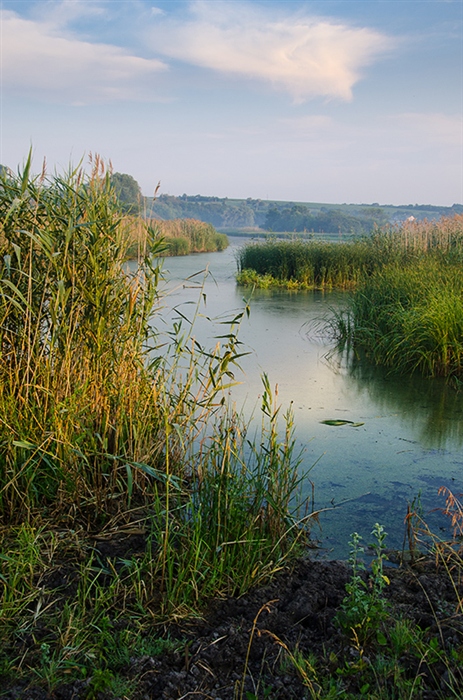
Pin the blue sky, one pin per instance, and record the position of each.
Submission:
(321, 101)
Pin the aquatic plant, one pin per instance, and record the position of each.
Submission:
(406, 307)
(306, 264)
(344, 265)
(180, 236)
(409, 318)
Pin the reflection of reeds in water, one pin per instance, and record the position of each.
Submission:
(432, 409)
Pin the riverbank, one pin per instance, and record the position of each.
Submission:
(112, 423)
(280, 641)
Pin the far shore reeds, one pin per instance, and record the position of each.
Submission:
(181, 236)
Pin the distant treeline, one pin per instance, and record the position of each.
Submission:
(300, 218)
(271, 215)
(221, 213)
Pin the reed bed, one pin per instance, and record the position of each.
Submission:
(306, 265)
(406, 307)
(343, 265)
(444, 236)
(410, 318)
(108, 424)
(181, 236)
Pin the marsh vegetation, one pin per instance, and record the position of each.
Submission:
(110, 427)
(132, 494)
(406, 307)
(180, 236)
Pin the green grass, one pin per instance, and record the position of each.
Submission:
(380, 653)
(317, 264)
(108, 425)
(180, 236)
(409, 318)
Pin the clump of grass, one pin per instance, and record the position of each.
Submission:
(185, 236)
(405, 310)
(344, 265)
(180, 236)
(409, 318)
(73, 333)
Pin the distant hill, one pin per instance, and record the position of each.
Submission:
(274, 215)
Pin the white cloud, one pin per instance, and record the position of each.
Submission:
(37, 61)
(305, 56)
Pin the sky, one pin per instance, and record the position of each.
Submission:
(324, 101)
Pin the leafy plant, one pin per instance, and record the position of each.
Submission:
(364, 607)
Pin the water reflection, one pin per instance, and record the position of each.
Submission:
(430, 408)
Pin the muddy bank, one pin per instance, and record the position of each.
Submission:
(242, 647)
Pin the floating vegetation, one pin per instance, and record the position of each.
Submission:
(336, 422)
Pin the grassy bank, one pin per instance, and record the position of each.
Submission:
(408, 314)
(181, 236)
(409, 318)
(130, 492)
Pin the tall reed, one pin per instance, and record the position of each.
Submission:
(101, 414)
(181, 236)
(409, 318)
(306, 264)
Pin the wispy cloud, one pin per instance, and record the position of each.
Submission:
(41, 61)
(306, 56)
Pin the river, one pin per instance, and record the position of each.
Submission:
(409, 443)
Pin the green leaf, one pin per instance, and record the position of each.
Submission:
(26, 172)
(337, 422)
(381, 639)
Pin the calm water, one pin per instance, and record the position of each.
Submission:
(412, 433)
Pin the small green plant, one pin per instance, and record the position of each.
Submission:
(364, 607)
(265, 691)
(104, 681)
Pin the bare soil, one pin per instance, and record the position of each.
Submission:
(237, 649)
